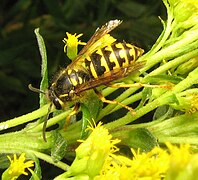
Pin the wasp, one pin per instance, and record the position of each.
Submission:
(94, 66)
(98, 63)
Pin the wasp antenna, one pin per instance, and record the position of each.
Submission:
(35, 89)
(45, 122)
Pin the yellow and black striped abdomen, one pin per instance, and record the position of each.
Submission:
(111, 57)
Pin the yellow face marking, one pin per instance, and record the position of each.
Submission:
(72, 91)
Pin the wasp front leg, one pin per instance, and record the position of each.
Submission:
(74, 112)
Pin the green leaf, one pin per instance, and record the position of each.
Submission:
(86, 117)
(90, 107)
(92, 102)
(163, 112)
(59, 148)
(4, 161)
(141, 138)
(44, 71)
(146, 93)
(37, 169)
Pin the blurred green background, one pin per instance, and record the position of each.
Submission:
(19, 56)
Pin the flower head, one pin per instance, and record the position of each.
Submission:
(179, 155)
(17, 167)
(97, 158)
(184, 9)
(187, 102)
(71, 44)
(151, 165)
(156, 164)
(93, 153)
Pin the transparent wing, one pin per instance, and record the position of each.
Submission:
(92, 43)
(110, 76)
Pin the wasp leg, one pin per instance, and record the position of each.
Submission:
(103, 99)
(139, 85)
(74, 111)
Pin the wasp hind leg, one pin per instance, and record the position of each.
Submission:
(103, 99)
(73, 112)
(139, 85)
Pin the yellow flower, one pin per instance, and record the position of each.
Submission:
(92, 153)
(17, 167)
(185, 9)
(97, 158)
(188, 102)
(96, 149)
(71, 45)
(151, 165)
(179, 158)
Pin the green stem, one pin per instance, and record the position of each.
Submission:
(165, 34)
(51, 121)
(22, 141)
(173, 50)
(108, 90)
(165, 127)
(49, 159)
(178, 140)
(130, 118)
(24, 118)
(174, 63)
(191, 79)
(72, 134)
